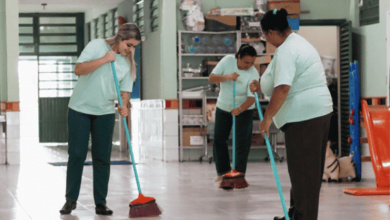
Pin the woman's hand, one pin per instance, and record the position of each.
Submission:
(123, 111)
(110, 56)
(233, 76)
(236, 111)
(254, 86)
(264, 126)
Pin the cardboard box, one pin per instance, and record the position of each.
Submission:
(195, 134)
(250, 23)
(221, 23)
(257, 140)
(237, 11)
(269, 48)
(292, 6)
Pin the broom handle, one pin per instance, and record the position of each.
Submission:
(234, 126)
(271, 156)
(125, 125)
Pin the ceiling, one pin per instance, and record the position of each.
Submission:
(66, 6)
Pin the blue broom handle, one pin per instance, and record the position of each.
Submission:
(234, 126)
(271, 156)
(125, 125)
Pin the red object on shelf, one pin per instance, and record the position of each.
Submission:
(378, 128)
(351, 120)
(121, 20)
(352, 112)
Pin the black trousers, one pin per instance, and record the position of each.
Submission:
(305, 148)
(223, 126)
(101, 127)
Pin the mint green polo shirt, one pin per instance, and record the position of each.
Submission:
(297, 63)
(226, 66)
(95, 92)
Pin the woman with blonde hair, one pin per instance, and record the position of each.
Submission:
(92, 111)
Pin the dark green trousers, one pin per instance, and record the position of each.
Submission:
(223, 126)
(101, 127)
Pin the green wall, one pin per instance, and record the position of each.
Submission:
(3, 55)
(9, 50)
(370, 51)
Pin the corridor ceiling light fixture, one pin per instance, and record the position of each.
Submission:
(140, 2)
(44, 5)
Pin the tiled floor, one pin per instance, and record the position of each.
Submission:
(185, 191)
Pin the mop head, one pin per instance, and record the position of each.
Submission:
(144, 207)
(233, 180)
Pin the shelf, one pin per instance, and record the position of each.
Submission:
(206, 54)
(193, 147)
(193, 125)
(209, 32)
(196, 77)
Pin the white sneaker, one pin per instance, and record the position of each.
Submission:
(218, 179)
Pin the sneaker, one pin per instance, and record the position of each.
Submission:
(218, 179)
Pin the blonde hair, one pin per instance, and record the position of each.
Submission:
(127, 31)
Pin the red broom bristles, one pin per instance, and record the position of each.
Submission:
(144, 207)
(233, 180)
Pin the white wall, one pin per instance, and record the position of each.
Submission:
(324, 39)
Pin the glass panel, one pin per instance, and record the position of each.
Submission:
(116, 30)
(25, 30)
(57, 48)
(116, 14)
(57, 76)
(26, 39)
(58, 39)
(55, 93)
(155, 3)
(56, 68)
(26, 49)
(154, 13)
(59, 29)
(57, 59)
(25, 20)
(57, 20)
(108, 33)
(57, 85)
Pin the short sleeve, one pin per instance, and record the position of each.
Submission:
(221, 66)
(285, 68)
(254, 76)
(90, 52)
(126, 83)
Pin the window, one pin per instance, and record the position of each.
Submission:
(154, 15)
(369, 12)
(138, 15)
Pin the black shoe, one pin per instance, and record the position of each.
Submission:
(68, 207)
(290, 214)
(102, 209)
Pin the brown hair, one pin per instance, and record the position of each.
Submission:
(125, 32)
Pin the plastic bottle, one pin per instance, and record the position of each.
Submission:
(231, 49)
(227, 41)
(205, 40)
(201, 49)
(194, 40)
(216, 40)
(191, 49)
(210, 49)
(221, 49)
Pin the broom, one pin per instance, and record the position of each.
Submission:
(142, 206)
(234, 179)
(271, 156)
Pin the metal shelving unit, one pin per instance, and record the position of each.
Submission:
(200, 96)
(203, 96)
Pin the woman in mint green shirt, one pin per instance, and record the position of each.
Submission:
(301, 106)
(238, 68)
(92, 111)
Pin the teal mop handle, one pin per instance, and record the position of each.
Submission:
(234, 126)
(125, 125)
(271, 156)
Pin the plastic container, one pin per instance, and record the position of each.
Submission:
(216, 40)
(227, 40)
(205, 40)
(194, 40)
